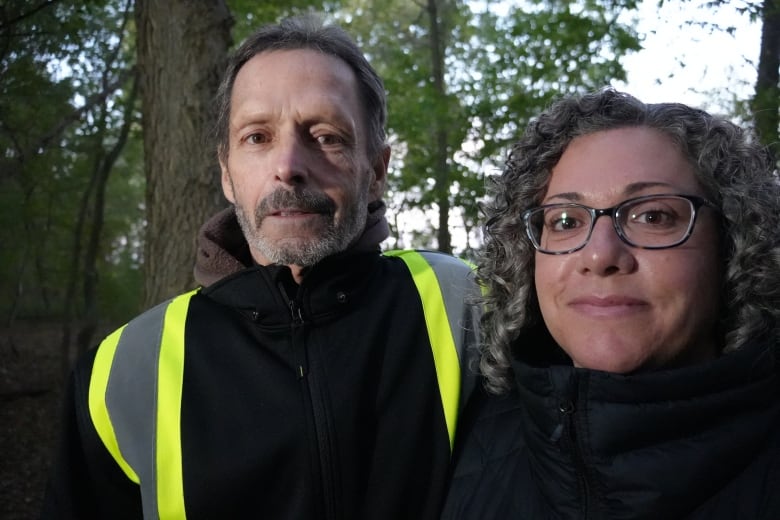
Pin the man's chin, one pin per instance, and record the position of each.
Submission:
(300, 251)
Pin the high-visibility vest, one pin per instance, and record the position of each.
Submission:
(135, 389)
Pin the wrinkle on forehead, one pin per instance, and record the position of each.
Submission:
(324, 87)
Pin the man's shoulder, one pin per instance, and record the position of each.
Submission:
(162, 307)
(437, 260)
(150, 321)
(433, 255)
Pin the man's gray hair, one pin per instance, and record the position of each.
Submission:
(306, 32)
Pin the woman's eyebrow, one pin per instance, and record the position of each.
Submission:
(632, 189)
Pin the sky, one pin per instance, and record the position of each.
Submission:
(679, 63)
(689, 64)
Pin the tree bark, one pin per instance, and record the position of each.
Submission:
(442, 186)
(182, 48)
(766, 103)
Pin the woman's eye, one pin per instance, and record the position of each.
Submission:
(654, 217)
(562, 222)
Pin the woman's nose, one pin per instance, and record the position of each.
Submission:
(605, 253)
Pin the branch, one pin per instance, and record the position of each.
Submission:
(11, 167)
(31, 12)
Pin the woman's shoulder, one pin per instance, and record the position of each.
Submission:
(489, 428)
(489, 456)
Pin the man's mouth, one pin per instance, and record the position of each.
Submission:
(291, 213)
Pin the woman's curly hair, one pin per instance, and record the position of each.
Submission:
(734, 170)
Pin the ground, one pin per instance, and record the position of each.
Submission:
(30, 404)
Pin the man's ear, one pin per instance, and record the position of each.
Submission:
(377, 188)
(227, 184)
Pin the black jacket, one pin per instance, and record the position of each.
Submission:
(701, 442)
(312, 401)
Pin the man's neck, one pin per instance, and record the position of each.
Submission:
(297, 273)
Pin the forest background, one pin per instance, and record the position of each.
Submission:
(106, 170)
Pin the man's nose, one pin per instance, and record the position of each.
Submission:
(290, 159)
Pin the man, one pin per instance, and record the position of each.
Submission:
(310, 376)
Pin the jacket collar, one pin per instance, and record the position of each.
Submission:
(649, 445)
(222, 249)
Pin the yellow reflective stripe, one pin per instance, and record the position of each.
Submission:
(170, 377)
(98, 410)
(445, 356)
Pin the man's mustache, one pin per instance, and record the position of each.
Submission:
(302, 200)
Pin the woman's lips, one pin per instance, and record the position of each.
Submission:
(608, 306)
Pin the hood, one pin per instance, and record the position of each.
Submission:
(222, 249)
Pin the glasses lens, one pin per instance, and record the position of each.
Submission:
(656, 221)
(558, 228)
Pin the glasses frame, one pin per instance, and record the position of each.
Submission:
(695, 201)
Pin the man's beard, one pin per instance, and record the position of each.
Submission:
(335, 238)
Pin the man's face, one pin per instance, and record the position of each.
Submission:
(297, 170)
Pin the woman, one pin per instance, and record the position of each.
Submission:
(632, 261)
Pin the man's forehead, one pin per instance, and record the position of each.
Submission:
(301, 80)
(273, 63)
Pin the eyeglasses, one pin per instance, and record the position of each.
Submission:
(648, 222)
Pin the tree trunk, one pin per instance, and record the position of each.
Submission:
(70, 313)
(766, 103)
(442, 186)
(182, 48)
(83, 315)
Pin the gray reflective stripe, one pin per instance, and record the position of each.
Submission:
(460, 293)
(131, 398)
(448, 293)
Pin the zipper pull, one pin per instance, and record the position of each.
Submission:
(295, 309)
(295, 312)
(566, 408)
(297, 320)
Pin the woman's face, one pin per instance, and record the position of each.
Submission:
(618, 308)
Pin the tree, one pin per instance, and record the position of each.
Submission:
(763, 109)
(62, 64)
(29, 131)
(766, 102)
(462, 82)
(103, 145)
(182, 48)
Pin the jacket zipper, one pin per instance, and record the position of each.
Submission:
(311, 385)
(568, 411)
(299, 346)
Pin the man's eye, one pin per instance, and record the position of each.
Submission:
(256, 138)
(329, 139)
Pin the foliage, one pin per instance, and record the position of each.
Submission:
(504, 63)
(762, 111)
(766, 101)
(62, 65)
(66, 69)
(249, 15)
